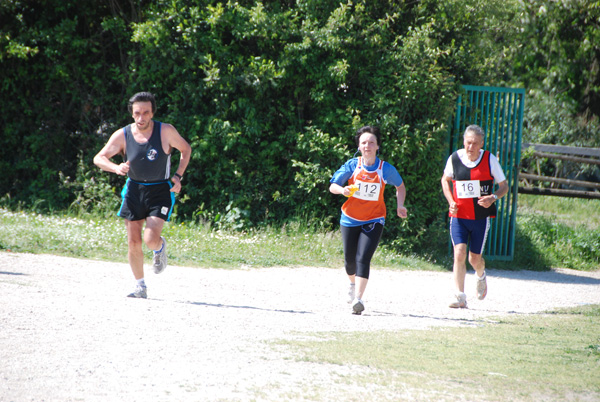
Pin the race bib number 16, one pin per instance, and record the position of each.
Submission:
(468, 189)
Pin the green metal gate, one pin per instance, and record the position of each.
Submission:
(499, 111)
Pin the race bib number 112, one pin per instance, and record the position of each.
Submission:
(368, 191)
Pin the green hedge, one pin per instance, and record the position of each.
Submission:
(268, 94)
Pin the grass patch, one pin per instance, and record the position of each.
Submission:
(192, 245)
(551, 232)
(571, 212)
(554, 356)
(558, 232)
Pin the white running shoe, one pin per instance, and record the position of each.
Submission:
(460, 302)
(481, 287)
(351, 292)
(159, 261)
(358, 307)
(139, 292)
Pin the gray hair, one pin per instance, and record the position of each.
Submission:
(475, 129)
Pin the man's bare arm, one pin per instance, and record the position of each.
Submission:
(114, 146)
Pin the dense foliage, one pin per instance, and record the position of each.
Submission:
(269, 95)
(558, 59)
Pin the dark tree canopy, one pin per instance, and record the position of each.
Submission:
(269, 94)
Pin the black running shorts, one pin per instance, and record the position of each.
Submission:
(140, 200)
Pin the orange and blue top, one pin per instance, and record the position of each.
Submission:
(367, 204)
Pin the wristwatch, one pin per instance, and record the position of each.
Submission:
(495, 197)
(178, 176)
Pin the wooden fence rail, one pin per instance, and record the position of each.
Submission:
(572, 154)
(567, 158)
(569, 182)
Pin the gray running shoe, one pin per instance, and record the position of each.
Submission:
(460, 302)
(482, 287)
(139, 292)
(159, 260)
(351, 290)
(358, 307)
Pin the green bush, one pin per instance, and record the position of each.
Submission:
(275, 105)
(269, 94)
(557, 60)
(93, 192)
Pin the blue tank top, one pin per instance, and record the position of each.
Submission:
(148, 162)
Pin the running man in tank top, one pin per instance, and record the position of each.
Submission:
(468, 185)
(364, 212)
(149, 193)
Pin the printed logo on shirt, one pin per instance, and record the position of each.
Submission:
(151, 155)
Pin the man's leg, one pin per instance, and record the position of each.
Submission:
(459, 272)
(478, 263)
(459, 232)
(156, 242)
(459, 268)
(154, 226)
(134, 243)
(478, 239)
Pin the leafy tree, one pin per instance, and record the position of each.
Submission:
(63, 69)
(269, 94)
(558, 51)
(558, 59)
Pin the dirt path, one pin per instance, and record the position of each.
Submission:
(68, 333)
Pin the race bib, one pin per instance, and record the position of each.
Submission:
(468, 189)
(367, 191)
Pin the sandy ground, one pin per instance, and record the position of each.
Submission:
(68, 333)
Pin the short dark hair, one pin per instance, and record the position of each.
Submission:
(142, 97)
(368, 129)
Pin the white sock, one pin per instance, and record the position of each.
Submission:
(162, 245)
(141, 282)
(482, 277)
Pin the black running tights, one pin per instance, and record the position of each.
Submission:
(360, 243)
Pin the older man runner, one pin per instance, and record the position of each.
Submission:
(468, 185)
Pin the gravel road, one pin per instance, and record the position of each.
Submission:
(68, 333)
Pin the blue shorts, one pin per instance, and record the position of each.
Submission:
(470, 231)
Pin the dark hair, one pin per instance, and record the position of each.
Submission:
(368, 129)
(142, 97)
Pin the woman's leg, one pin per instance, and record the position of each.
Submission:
(368, 241)
(350, 237)
(350, 241)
